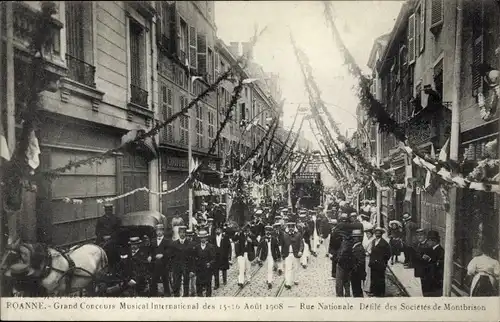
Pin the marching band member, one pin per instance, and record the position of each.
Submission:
(358, 267)
(269, 252)
(334, 246)
(306, 237)
(222, 256)
(292, 247)
(245, 254)
(204, 259)
(279, 233)
(190, 238)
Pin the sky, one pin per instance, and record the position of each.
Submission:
(359, 23)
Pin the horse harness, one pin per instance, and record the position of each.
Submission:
(43, 250)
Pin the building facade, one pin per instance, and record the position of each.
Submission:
(117, 67)
(413, 78)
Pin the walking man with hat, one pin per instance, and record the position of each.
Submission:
(139, 266)
(222, 256)
(204, 260)
(292, 247)
(334, 246)
(278, 234)
(162, 262)
(245, 243)
(358, 272)
(269, 252)
(181, 263)
(190, 238)
(434, 265)
(379, 257)
(409, 240)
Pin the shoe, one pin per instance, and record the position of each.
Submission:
(216, 288)
(326, 255)
(280, 272)
(224, 283)
(269, 286)
(304, 266)
(296, 283)
(240, 285)
(274, 269)
(315, 254)
(288, 287)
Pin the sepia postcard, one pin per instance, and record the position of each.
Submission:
(250, 160)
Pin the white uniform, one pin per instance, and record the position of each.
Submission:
(269, 262)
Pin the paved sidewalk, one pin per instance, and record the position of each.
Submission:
(405, 277)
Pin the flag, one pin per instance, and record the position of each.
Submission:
(443, 154)
(33, 151)
(4, 147)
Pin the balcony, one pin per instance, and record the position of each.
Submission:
(432, 124)
(82, 72)
(25, 30)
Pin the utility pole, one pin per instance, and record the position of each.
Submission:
(454, 146)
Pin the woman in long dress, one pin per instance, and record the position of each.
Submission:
(486, 275)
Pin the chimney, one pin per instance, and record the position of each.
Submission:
(234, 47)
(246, 47)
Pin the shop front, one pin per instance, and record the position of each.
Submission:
(174, 172)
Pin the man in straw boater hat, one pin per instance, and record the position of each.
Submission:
(269, 252)
(181, 263)
(139, 260)
(222, 256)
(244, 247)
(379, 257)
(409, 239)
(204, 260)
(162, 252)
(292, 247)
(433, 258)
(358, 269)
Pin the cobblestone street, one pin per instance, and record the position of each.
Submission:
(314, 281)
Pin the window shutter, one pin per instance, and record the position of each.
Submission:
(477, 48)
(437, 12)
(192, 48)
(202, 54)
(217, 65)
(159, 21)
(421, 46)
(411, 39)
(173, 31)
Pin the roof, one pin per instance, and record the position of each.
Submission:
(380, 43)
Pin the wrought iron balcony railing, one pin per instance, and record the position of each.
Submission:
(139, 96)
(80, 71)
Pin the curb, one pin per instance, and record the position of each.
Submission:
(397, 282)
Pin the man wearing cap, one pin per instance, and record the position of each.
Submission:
(162, 265)
(344, 264)
(409, 239)
(204, 260)
(269, 252)
(379, 257)
(292, 247)
(432, 281)
(181, 263)
(279, 232)
(245, 243)
(222, 256)
(107, 225)
(358, 267)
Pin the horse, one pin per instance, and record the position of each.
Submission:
(61, 273)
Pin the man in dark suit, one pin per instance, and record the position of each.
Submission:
(380, 255)
(269, 252)
(182, 259)
(292, 247)
(279, 232)
(107, 225)
(334, 246)
(344, 265)
(219, 215)
(162, 265)
(417, 260)
(222, 256)
(139, 264)
(433, 269)
(409, 240)
(244, 245)
(204, 260)
(358, 266)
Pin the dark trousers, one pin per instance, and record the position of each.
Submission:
(203, 284)
(377, 283)
(356, 284)
(217, 276)
(342, 283)
(181, 274)
(430, 288)
(334, 268)
(161, 274)
(409, 252)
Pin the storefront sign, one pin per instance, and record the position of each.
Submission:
(307, 177)
(177, 163)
